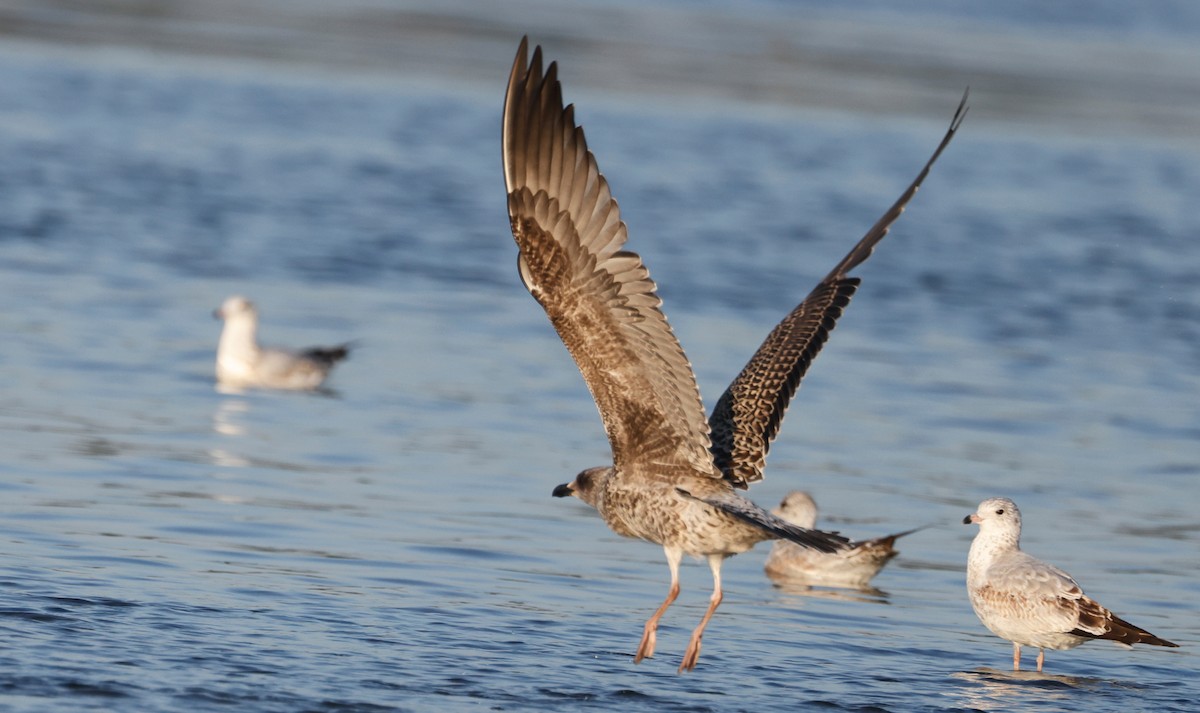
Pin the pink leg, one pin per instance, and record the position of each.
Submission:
(1041, 659)
(649, 632)
(1016, 656)
(693, 650)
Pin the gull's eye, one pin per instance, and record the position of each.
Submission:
(1000, 511)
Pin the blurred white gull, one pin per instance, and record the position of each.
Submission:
(1031, 602)
(241, 362)
(852, 568)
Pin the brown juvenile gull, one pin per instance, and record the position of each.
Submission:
(669, 483)
(241, 362)
(852, 568)
(1031, 602)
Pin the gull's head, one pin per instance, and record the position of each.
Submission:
(235, 306)
(996, 515)
(798, 508)
(588, 486)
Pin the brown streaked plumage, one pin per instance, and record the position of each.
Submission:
(1031, 602)
(748, 415)
(668, 483)
(853, 568)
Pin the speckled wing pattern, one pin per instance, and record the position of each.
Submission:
(748, 415)
(599, 297)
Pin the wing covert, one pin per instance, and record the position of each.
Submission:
(748, 415)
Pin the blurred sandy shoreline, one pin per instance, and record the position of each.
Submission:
(773, 55)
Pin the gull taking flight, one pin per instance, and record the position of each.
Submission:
(852, 568)
(1031, 602)
(669, 482)
(241, 362)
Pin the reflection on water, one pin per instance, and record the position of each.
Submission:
(230, 412)
(801, 587)
(991, 689)
(227, 459)
(227, 421)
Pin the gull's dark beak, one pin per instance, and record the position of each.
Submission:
(218, 314)
(563, 491)
(967, 520)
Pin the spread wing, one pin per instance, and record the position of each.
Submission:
(599, 297)
(748, 415)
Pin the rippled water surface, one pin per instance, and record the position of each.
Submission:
(1031, 328)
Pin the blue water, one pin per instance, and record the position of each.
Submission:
(1031, 328)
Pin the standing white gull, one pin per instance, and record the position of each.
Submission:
(852, 568)
(669, 482)
(241, 362)
(1031, 602)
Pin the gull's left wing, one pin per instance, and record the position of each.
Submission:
(748, 415)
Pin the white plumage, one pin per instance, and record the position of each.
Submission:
(1031, 602)
(242, 363)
